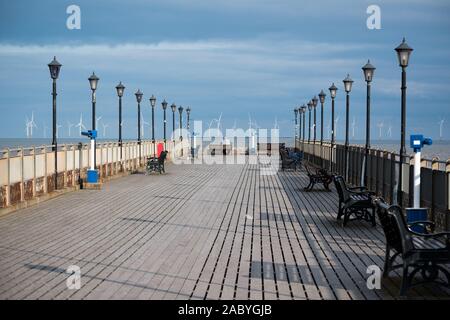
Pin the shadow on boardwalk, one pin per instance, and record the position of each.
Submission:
(200, 232)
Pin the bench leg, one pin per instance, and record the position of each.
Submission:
(405, 280)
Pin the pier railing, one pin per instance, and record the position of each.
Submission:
(383, 175)
(28, 173)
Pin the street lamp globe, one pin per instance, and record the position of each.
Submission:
(314, 101)
(173, 107)
(153, 101)
(164, 104)
(139, 95)
(310, 105)
(180, 109)
(120, 88)
(333, 89)
(188, 110)
(348, 82)
(54, 68)
(93, 81)
(368, 70)
(322, 96)
(403, 53)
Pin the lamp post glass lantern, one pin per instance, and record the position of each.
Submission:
(368, 71)
(54, 67)
(403, 55)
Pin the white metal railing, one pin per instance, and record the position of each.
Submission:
(29, 172)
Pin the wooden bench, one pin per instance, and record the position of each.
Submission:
(320, 176)
(356, 202)
(424, 253)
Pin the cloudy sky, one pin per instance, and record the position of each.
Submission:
(236, 57)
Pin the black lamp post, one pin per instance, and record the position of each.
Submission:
(403, 54)
(164, 106)
(174, 108)
(333, 89)
(180, 110)
(322, 96)
(368, 70)
(310, 105)
(54, 68)
(299, 125)
(188, 112)
(303, 107)
(120, 88)
(153, 104)
(314, 103)
(296, 126)
(139, 95)
(93, 81)
(348, 82)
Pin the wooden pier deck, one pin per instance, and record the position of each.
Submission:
(197, 232)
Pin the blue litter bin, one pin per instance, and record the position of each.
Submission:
(417, 214)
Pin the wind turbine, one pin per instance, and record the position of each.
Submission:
(30, 124)
(353, 127)
(27, 127)
(80, 124)
(380, 126)
(441, 127)
(143, 124)
(69, 127)
(45, 130)
(57, 130)
(104, 125)
(275, 125)
(336, 127)
(389, 132)
(329, 129)
(97, 120)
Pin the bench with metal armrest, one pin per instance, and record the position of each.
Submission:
(355, 201)
(320, 176)
(156, 164)
(424, 253)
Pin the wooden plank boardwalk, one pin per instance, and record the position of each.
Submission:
(197, 232)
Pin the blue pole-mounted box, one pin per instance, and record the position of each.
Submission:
(92, 176)
(414, 215)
